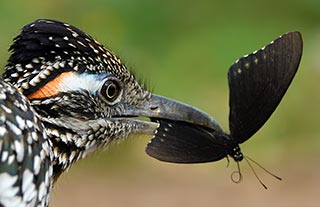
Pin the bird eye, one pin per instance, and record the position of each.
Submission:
(110, 91)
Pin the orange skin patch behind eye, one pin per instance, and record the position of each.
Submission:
(51, 88)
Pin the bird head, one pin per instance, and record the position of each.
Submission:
(83, 94)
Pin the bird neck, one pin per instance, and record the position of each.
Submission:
(65, 151)
(73, 139)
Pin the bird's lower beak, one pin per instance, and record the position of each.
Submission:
(158, 107)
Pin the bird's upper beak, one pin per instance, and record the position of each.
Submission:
(158, 107)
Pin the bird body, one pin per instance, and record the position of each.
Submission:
(25, 152)
(62, 96)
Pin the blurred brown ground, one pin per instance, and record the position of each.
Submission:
(153, 183)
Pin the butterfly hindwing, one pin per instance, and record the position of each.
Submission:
(258, 82)
(181, 142)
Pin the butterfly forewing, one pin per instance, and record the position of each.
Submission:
(181, 142)
(258, 82)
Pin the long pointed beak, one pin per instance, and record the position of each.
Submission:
(158, 107)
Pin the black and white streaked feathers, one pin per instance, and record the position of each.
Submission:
(46, 48)
(64, 73)
(47, 51)
(25, 152)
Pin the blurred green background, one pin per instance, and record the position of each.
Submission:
(182, 50)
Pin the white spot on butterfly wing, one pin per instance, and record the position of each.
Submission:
(48, 21)
(264, 56)
(247, 65)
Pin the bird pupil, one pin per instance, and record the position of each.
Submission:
(111, 90)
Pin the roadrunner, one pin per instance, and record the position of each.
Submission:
(62, 96)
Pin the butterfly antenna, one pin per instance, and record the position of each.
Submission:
(254, 172)
(228, 161)
(238, 172)
(255, 162)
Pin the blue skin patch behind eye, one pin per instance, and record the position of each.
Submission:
(85, 81)
(98, 77)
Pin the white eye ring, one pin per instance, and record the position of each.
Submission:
(111, 91)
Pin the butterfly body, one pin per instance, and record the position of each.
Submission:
(257, 83)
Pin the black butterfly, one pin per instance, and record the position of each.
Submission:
(257, 83)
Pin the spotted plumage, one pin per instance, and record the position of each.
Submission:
(76, 97)
(25, 152)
